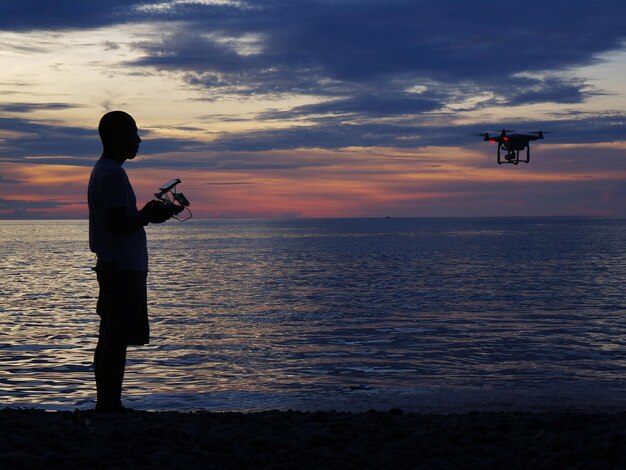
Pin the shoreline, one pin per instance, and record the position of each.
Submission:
(31, 438)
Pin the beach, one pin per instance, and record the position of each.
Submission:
(311, 440)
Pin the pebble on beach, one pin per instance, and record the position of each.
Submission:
(310, 440)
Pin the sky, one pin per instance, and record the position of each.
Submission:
(318, 108)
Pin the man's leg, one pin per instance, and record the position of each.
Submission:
(110, 356)
(109, 365)
(122, 307)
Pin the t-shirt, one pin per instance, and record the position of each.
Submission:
(109, 187)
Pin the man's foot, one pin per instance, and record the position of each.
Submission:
(117, 408)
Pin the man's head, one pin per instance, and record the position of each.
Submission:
(118, 132)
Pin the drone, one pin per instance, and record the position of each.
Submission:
(513, 142)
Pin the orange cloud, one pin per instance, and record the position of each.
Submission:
(346, 183)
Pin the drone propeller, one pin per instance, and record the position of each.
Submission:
(490, 135)
(484, 135)
(539, 134)
(498, 132)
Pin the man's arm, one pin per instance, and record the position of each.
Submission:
(121, 222)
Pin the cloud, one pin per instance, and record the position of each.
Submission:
(332, 133)
(4, 180)
(53, 144)
(32, 107)
(110, 46)
(328, 136)
(321, 47)
(373, 104)
(26, 209)
(225, 160)
(57, 143)
(229, 183)
(29, 138)
(550, 89)
(17, 204)
(42, 14)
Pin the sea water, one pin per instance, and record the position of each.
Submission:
(422, 314)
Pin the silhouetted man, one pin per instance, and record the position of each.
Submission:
(117, 237)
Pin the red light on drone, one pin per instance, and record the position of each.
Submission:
(505, 138)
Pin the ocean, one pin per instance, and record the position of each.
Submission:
(425, 314)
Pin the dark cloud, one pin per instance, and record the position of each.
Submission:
(532, 198)
(4, 180)
(230, 183)
(329, 136)
(307, 45)
(449, 41)
(110, 46)
(520, 91)
(40, 139)
(367, 105)
(28, 138)
(17, 204)
(356, 41)
(23, 209)
(54, 144)
(333, 134)
(43, 14)
(236, 160)
(31, 107)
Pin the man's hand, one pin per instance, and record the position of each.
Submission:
(156, 212)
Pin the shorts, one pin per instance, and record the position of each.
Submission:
(122, 305)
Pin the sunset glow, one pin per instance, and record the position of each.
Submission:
(317, 109)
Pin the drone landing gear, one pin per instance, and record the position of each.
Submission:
(512, 156)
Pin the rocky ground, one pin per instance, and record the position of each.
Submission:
(311, 440)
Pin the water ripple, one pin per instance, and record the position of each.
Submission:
(349, 312)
